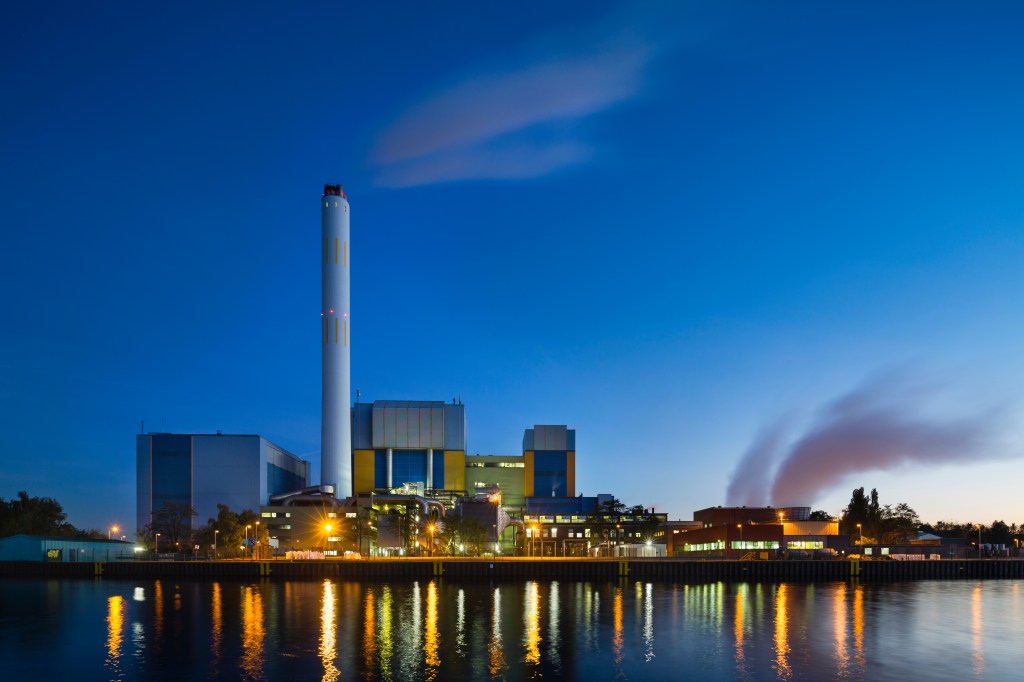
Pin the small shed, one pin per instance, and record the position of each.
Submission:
(46, 548)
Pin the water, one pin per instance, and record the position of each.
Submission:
(437, 630)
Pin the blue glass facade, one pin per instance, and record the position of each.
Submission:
(550, 473)
(281, 480)
(407, 466)
(171, 477)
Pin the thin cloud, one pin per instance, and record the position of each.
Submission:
(465, 131)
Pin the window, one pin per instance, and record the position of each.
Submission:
(754, 544)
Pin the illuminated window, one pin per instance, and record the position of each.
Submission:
(331, 515)
(350, 515)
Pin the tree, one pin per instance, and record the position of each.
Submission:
(34, 516)
(173, 521)
(820, 515)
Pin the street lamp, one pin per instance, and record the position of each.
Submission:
(861, 529)
(157, 542)
(215, 534)
(536, 529)
(740, 526)
(430, 529)
(256, 536)
(113, 529)
(246, 546)
(979, 540)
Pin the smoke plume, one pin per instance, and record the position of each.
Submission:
(884, 424)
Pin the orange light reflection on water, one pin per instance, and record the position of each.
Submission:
(252, 634)
(328, 632)
(739, 628)
(369, 631)
(115, 626)
(617, 619)
(839, 620)
(782, 668)
(217, 614)
(531, 621)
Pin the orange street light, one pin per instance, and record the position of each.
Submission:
(861, 529)
(113, 529)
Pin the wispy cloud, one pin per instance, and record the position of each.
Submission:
(516, 122)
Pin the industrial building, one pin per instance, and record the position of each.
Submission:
(761, 532)
(419, 443)
(204, 470)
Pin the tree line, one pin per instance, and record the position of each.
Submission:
(24, 515)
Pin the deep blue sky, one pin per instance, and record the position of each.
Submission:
(671, 226)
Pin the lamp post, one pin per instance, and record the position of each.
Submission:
(860, 528)
(979, 540)
(247, 527)
(740, 526)
(256, 535)
(113, 529)
(215, 534)
(536, 529)
(430, 529)
(157, 543)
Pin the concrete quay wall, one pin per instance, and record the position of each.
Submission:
(656, 570)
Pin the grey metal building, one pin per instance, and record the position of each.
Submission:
(204, 470)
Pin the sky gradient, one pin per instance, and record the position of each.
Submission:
(728, 243)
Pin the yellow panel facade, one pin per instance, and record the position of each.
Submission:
(454, 470)
(528, 474)
(570, 473)
(362, 471)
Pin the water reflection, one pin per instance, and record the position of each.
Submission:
(617, 617)
(433, 637)
(977, 653)
(217, 634)
(384, 633)
(554, 637)
(328, 632)
(739, 629)
(369, 631)
(115, 625)
(782, 633)
(252, 634)
(495, 657)
(648, 622)
(460, 623)
(531, 624)
(334, 630)
(839, 620)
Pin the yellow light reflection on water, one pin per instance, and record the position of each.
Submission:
(839, 620)
(739, 627)
(369, 630)
(617, 619)
(115, 626)
(384, 634)
(858, 624)
(432, 637)
(252, 634)
(460, 624)
(782, 668)
(496, 657)
(977, 651)
(217, 614)
(328, 632)
(531, 623)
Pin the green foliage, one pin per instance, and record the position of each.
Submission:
(820, 515)
(26, 515)
(888, 524)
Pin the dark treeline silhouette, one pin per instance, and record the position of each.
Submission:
(24, 515)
